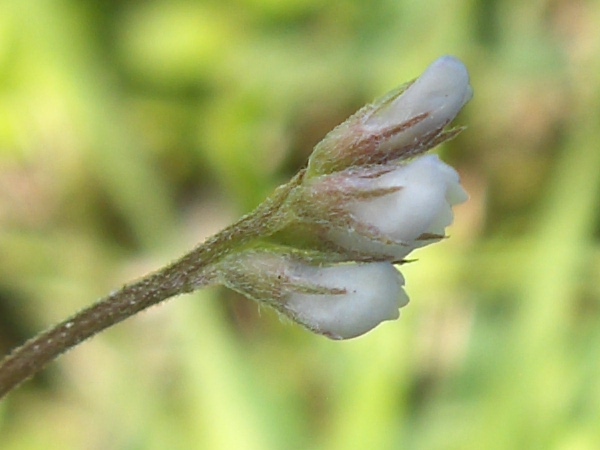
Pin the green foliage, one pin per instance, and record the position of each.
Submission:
(129, 131)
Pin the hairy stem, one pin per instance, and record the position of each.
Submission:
(193, 271)
(33, 356)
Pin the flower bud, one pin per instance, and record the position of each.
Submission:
(404, 123)
(369, 294)
(339, 301)
(384, 213)
(439, 94)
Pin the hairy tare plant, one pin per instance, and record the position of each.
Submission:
(324, 249)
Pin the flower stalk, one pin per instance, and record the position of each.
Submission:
(323, 249)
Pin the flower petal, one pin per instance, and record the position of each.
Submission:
(440, 92)
(422, 205)
(373, 294)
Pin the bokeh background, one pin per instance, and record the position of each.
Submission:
(131, 130)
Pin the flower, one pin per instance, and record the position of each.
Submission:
(413, 211)
(340, 301)
(368, 295)
(437, 96)
(404, 123)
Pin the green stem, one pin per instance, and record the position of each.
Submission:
(35, 354)
(193, 271)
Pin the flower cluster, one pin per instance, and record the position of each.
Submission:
(323, 249)
(368, 197)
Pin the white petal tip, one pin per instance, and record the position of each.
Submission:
(440, 93)
(449, 76)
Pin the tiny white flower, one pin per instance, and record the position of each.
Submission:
(369, 294)
(340, 301)
(419, 208)
(405, 123)
(440, 93)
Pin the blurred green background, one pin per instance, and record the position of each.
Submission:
(131, 130)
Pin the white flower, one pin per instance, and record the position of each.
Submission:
(340, 301)
(410, 217)
(369, 294)
(405, 123)
(439, 94)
